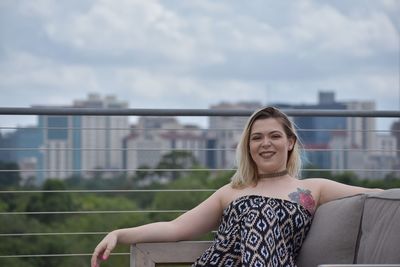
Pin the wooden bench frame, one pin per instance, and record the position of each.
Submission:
(151, 254)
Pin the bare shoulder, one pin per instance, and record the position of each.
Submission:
(224, 190)
(330, 190)
(226, 194)
(314, 182)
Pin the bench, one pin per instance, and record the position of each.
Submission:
(362, 229)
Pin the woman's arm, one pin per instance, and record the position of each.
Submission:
(201, 219)
(331, 190)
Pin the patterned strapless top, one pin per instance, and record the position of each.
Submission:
(258, 231)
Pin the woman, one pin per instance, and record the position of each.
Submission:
(262, 215)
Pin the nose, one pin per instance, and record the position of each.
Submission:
(266, 142)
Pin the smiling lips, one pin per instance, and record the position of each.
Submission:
(267, 154)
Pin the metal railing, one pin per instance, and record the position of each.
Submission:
(22, 191)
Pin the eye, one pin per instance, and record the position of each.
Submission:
(255, 137)
(276, 136)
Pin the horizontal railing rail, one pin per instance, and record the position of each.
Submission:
(191, 112)
(184, 170)
(187, 149)
(88, 212)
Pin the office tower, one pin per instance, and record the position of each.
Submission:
(22, 147)
(101, 137)
(86, 146)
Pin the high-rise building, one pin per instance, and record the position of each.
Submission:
(307, 125)
(361, 129)
(395, 132)
(57, 146)
(22, 147)
(84, 145)
(101, 137)
(317, 133)
(346, 156)
(383, 156)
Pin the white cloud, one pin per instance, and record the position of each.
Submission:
(328, 30)
(32, 80)
(391, 5)
(38, 8)
(146, 89)
(191, 54)
(127, 27)
(151, 28)
(243, 34)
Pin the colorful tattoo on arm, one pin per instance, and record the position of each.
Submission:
(304, 198)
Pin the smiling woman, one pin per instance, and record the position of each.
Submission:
(262, 216)
(267, 146)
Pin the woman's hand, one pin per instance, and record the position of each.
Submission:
(104, 248)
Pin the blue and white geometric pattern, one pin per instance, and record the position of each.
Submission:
(258, 231)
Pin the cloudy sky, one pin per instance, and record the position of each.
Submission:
(193, 54)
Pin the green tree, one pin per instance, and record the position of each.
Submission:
(9, 178)
(176, 160)
(18, 224)
(141, 176)
(51, 201)
(346, 177)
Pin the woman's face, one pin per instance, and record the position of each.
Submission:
(269, 145)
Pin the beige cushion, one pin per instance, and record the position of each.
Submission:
(380, 235)
(333, 234)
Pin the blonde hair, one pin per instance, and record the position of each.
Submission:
(246, 173)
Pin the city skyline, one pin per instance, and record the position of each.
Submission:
(85, 145)
(174, 54)
(383, 124)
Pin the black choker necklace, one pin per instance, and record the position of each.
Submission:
(273, 174)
